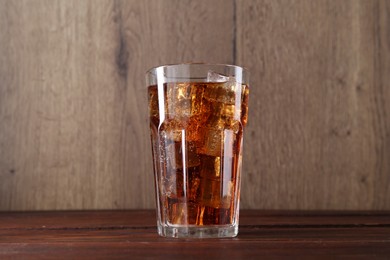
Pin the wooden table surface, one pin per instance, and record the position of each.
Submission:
(132, 234)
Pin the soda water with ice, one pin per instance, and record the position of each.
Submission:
(196, 133)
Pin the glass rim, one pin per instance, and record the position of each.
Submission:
(150, 71)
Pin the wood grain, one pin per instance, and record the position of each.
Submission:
(127, 219)
(74, 132)
(123, 234)
(318, 135)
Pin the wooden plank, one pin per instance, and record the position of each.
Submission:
(310, 237)
(111, 235)
(318, 134)
(74, 132)
(57, 220)
(190, 250)
(382, 105)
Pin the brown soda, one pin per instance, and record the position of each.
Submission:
(196, 140)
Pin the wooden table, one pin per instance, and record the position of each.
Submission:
(132, 234)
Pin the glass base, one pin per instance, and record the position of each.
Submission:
(198, 231)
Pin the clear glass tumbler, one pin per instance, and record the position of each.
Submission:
(197, 116)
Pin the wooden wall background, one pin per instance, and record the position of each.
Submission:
(73, 125)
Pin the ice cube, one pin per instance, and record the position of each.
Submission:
(213, 76)
(210, 167)
(192, 128)
(153, 102)
(183, 213)
(178, 100)
(211, 141)
(179, 91)
(172, 130)
(196, 99)
(211, 196)
(226, 92)
(183, 100)
(193, 190)
(172, 184)
(171, 135)
(227, 112)
(218, 139)
(178, 155)
(219, 216)
(187, 155)
(210, 193)
(224, 89)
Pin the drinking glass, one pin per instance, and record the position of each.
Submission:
(197, 117)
